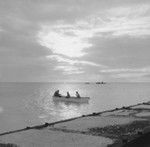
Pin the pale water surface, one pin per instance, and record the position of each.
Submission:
(27, 104)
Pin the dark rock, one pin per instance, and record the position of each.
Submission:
(46, 124)
(27, 127)
(140, 133)
(124, 140)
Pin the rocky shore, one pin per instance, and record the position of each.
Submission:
(120, 127)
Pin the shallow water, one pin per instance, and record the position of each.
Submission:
(27, 104)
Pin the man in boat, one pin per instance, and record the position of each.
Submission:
(56, 93)
(78, 95)
(68, 95)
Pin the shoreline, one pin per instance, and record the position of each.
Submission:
(126, 117)
(70, 119)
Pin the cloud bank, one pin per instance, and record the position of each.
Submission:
(54, 40)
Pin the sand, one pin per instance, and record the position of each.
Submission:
(143, 114)
(48, 138)
(84, 123)
(120, 113)
(141, 107)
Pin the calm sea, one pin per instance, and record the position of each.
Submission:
(27, 104)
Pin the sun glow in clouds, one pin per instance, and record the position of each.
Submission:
(63, 42)
(71, 40)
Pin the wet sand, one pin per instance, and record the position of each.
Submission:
(120, 127)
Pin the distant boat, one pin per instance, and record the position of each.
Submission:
(72, 99)
(101, 82)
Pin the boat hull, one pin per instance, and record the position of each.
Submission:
(72, 99)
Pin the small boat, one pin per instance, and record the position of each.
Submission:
(100, 82)
(72, 99)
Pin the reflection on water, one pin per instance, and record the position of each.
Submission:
(69, 109)
(70, 103)
(60, 109)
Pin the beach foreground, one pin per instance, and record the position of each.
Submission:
(126, 126)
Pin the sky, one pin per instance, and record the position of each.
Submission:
(74, 40)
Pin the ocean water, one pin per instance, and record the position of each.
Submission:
(28, 104)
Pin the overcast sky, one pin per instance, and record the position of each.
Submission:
(74, 40)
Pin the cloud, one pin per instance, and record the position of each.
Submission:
(60, 41)
(128, 20)
(1, 109)
(73, 61)
(135, 10)
(68, 70)
(130, 75)
(1, 29)
(73, 39)
(146, 70)
(44, 41)
(72, 66)
(127, 72)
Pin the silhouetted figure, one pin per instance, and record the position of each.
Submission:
(78, 95)
(68, 95)
(56, 93)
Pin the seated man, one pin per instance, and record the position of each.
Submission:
(77, 94)
(68, 95)
(57, 93)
